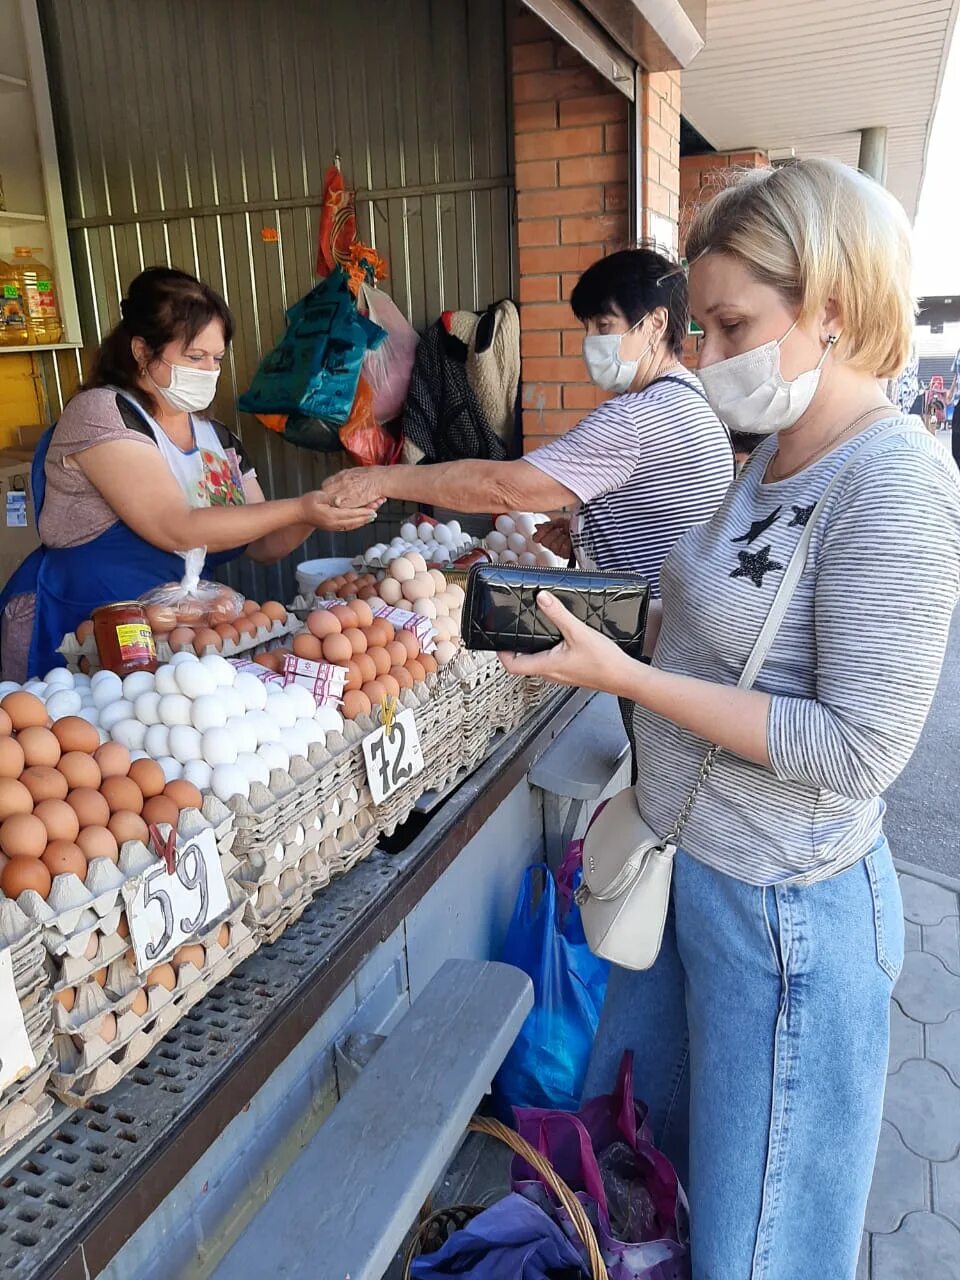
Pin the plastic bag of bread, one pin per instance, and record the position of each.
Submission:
(191, 602)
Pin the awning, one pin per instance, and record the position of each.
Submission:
(806, 79)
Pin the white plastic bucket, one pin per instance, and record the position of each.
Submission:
(310, 573)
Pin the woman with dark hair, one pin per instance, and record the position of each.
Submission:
(134, 472)
(639, 470)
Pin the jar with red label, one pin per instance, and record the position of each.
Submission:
(124, 640)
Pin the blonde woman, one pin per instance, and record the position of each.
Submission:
(762, 1031)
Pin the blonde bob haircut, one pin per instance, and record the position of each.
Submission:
(816, 230)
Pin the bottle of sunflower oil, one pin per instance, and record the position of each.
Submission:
(13, 318)
(39, 294)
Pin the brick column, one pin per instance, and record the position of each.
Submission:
(659, 110)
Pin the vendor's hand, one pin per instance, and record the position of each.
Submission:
(318, 509)
(555, 536)
(356, 487)
(584, 657)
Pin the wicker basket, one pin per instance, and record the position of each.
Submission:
(434, 1230)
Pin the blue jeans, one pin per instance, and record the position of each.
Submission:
(761, 1037)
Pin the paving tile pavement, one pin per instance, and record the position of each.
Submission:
(913, 1217)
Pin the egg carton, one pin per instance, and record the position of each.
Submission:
(263, 640)
(27, 1104)
(75, 910)
(266, 863)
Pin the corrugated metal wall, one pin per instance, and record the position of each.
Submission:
(187, 129)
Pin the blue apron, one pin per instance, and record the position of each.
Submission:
(70, 582)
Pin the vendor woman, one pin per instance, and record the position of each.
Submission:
(639, 470)
(134, 473)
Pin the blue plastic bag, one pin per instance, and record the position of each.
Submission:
(548, 1061)
(514, 1239)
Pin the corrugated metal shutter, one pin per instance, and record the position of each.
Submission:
(185, 129)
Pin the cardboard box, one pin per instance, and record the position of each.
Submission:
(18, 521)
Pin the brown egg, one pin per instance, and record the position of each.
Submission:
(275, 611)
(161, 809)
(140, 1003)
(184, 794)
(190, 612)
(84, 631)
(11, 758)
(260, 619)
(98, 842)
(416, 670)
(21, 874)
(322, 623)
(90, 807)
(402, 676)
(249, 607)
(6, 724)
(376, 634)
(189, 953)
(100, 977)
(14, 798)
(44, 783)
(344, 615)
(108, 1028)
(398, 654)
(123, 927)
(23, 835)
(80, 769)
(206, 638)
(228, 633)
(113, 759)
(410, 643)
(59, 818)
(223, 937)
(429, 663)
(63, 858)
(367, 668)
(40, 747)
(337, 649)
(308, 646)
(391, 685)
(354, 678)
(122, 795)
(161, 618)
(25, 711)
(245, 628)
(129, 826)
(355, 704)
(364, 594)
(387, 630)
(67, 997)
(325, 588)
(162, 976)
(364, 613)
(381, 659)
(357, 639)
(148, 776)
(375, 692)
(180, 638)
(85, 668)
(92, 947)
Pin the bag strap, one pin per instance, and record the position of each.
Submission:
(778, 610)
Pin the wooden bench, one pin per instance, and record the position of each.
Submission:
(343, 1208)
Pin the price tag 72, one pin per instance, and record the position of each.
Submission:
(393, 759)
(16, 1057)
(164, 911)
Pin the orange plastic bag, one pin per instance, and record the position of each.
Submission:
(364, 440)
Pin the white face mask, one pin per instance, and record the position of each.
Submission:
(749, 393)
(601, 355)
(190, 390)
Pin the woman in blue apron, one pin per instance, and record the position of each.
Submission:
(133, 474)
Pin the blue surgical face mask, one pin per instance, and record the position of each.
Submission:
(607, 369)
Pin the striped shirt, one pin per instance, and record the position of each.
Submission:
(646, 466)
(853, 669)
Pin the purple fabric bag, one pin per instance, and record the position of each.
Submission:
(628, 1188)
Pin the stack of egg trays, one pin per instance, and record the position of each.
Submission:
(493, 700)
(265, 638)
(25, 1103)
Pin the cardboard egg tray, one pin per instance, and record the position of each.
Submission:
(265, 638)
(24, 1104)
(493, 701)
(86, 1064)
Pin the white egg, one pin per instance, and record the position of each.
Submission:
(185, 743)
(131, 734)
(187, 655)
(103, 735)
(294, 741)
(388, 557)
(441, 608)
(218, 747)
(402, 569)
(280, 708)
(443, 535)
(174, 709)
(252, 692)
(157, 741)
(107, 691)
(495, 541)
(329, 719)
(147, 707)
(311, 731)
(194, 679)
(243, 733)
(9, 686)
(231, 701)
(253, 768)
(114, 712)
(228, 781)
(508, 557)
(103, 677)
(267, 729)
(445, 652)
(418, 562)
(408, 532)
(172, 769)
(223, 672)
(138, 755)
(440, 556)
(138, 682)
(167, 680)
(505, 525)
(274, 755)
(517, 542)
(526, 525)
(63, 702)
(81, 682)
(199, 773)
(528, 557)
(426, 608)
(301, 699)
(90, 714)
(59, 678)
(454, 527)
(426, 532)
(208, 712)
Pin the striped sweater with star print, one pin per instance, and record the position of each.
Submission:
(851, 674)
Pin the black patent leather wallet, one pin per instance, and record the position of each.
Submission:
(500, 611)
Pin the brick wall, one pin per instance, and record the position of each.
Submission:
(660, 139)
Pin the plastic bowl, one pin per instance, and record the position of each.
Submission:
(310, 573)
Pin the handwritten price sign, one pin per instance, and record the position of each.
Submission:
(392, 758)
(16, 1056)
(164, 911)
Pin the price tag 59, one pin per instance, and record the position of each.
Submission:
(16, 1057)
(395, 759)
(165, 911)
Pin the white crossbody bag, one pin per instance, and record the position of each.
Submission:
(627, 868)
